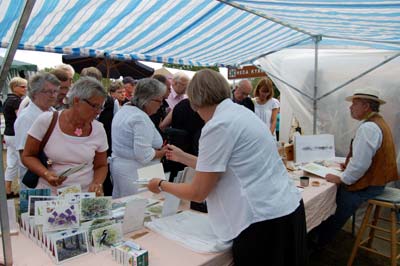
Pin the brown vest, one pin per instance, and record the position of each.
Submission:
(383, 168)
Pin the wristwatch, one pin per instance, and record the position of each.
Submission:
(159, 185)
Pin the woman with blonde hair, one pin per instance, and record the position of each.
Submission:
(265, 105)
(18, 88)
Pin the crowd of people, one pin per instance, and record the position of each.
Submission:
(227, 136)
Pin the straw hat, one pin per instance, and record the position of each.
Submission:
(366, 93)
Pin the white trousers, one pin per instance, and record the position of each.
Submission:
(13, 161)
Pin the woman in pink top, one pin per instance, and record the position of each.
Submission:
(77, 139)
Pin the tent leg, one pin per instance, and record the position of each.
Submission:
(12, 48)
(317, 39)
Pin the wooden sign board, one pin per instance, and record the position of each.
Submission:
(245, 72)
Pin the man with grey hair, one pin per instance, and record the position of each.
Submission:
(241, 94)
(43, 90)
(178, 93)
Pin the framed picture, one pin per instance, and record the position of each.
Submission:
(24, 195)
(33, 199)
(61, 192)
(106, 236)
(95, 208)
(61, 217)
(70, 245)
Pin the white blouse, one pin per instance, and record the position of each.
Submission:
(254, 185)
(264, 111)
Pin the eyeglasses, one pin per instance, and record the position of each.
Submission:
(50, 92)
(94, 106)
(155, 100)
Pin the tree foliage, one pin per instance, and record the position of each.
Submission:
(190, 68)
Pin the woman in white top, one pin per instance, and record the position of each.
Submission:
(77, 139)
(250, 198)
(135, 140)
(265, 105)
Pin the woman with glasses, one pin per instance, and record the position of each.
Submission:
(77, 140)
(135, 140)
(11, 105)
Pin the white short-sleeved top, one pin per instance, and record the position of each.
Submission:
(24, 122)
(134, 136)
(264, 111)
(254, 185)
(67, 151)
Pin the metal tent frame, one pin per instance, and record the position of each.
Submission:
(316, 40)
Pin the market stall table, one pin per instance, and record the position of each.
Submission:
(319, 204)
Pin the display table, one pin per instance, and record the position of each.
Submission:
(319, 204)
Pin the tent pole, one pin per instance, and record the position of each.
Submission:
(9, 56)
(359, 76)
(317, 39)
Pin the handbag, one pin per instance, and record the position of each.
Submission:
(30, 178)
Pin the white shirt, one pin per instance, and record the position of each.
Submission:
(24, 103)
(264, 111)
(24, 122)
(367, 141)
(134, 140)
(254, 185)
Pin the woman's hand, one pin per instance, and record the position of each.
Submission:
(153, 185)
(53, 179)
(174, 153)
(96, 188)
(161, 152)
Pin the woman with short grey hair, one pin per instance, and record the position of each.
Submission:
(135, 140)
(77, 140)
(86, 88)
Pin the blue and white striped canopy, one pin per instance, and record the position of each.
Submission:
(198, 32)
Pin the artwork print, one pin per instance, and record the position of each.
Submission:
(106, 236)
(71, 246)
(95, 208)
(62, 217)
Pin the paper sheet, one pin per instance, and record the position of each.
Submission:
(134, 215)
(319, 170)
(72, 170)
(310, 148)
(180, 228)
(147, 173)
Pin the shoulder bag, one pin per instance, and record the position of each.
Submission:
(30, 178)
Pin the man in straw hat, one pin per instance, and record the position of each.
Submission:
(370, 164)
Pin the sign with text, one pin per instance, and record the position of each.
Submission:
(245, 72)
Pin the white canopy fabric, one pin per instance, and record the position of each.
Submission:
(198, 32)
(296, 67)
(231, 32)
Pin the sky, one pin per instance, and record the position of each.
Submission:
(44, 59)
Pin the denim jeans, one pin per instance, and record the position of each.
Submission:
(347, 203)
